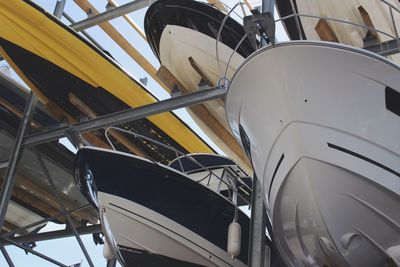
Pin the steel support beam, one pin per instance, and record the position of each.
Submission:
(9, 178)
(35, 252)
(92, 229)
(49, 219)
(6, 256)
(110, 14)
(63, 208)
(90, 38)
(259, 254)
(387, 48)
(59, 8)
(128, 115)
(4, 164)
(257, 228)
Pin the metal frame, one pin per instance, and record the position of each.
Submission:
(109, 15)
(46, 136)
(128, 115)
(63, 208)
(258, 257)
(258, 222)
(59, 8)
(34, 252)
(6, 256)
(101, 122)
(4, 164)
(92, 229)
(9, 179)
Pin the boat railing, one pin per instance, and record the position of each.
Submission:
(234, 184)
(382, 47)
(394, 36)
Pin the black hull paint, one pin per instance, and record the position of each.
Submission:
(284, 8)
(196, 16)
(162, 190)
(57, 84)
(140, 258)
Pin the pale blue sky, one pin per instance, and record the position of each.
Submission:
(67, 250)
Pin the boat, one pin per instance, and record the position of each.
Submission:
(178, 30)
(157, 215)
(328, 153)
(33, 199)
(76, 80)
(344, 21)
(183, 36)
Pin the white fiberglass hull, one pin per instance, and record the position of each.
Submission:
(138, 229)
(178, 43)
(347, 10)
(322, 128)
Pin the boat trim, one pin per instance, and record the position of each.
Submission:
(392, 98)
(275, 171)
(355, 154)
(162, 226)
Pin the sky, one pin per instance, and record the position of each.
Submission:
(67, 250)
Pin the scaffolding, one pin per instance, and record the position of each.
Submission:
(72, 132)
(259, 219)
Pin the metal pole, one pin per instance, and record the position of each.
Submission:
(63, 209)
(129, 115)
(59, 9)
(90, 38)
(257, 228)
(35, 253)
(259, 257)
(6, 256)
(109, 15)
(92, 229)
(9, 180)
(4, 164)
(8, 234)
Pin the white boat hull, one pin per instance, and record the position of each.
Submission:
(178, 43)
(136, 228)
(324, 142)
(347, 10)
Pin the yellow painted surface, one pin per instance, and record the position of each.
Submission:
(29, 28)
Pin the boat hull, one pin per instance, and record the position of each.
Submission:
(194, 15)
(328, 153)
(143, 235)
(182, 34)
(178, 44)
(345, 10)
(47, 55)
(157, 210)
